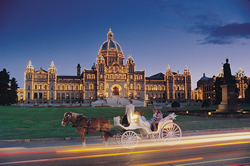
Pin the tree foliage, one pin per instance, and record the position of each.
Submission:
(205, 103)
(218, 91)
(247, 93)
(175, 104)
(8, 94)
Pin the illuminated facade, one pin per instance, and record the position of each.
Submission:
(108, 77)
(205, 86)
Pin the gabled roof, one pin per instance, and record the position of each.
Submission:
(158, 76)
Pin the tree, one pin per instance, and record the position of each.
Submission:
(4, 85)
(175, 104)
(13, 90)
(247, 93)
(205, 104)
(218, 91)
(8, 94)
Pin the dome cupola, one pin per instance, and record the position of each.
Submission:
(110, 43)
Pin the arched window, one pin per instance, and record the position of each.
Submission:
(163, 87)
(101, 86)
(131, 77)
(40, 87)
(147, 87)
(124, 76)
(67, 87)
(93, 76)
(91, 86)
(88, 76)
(159, 87)
(125, 86)
(155, 87)
(63, 87)
(140, 77)
(151, 87)
(136, 77)
(138, 87)
(76, 87)
(131, 86)
(35, 87)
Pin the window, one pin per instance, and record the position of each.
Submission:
(155, 87)
(67, 95)
(131, 77)
(101, 76)
(63, 95)
(138, 87)
(35, 95)
(35, 87)
(45, 95)
(40, 87)
(72, 96)
(58, 96)
(28, 87)
(58, 87)
(91, 87)
(28, 95)
(51, 95)
(40, 95)
(67, 87)
(76, 87)
(131, 86)
(101, 86)
(45, 87)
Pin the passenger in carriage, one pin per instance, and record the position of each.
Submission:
(159, 117)
(153, 118)
(142, 117)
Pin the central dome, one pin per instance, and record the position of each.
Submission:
(110, 43)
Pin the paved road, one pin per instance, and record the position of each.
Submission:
(207, 148)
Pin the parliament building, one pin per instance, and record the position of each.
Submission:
(109, 76)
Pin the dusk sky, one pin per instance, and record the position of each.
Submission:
(198, 33)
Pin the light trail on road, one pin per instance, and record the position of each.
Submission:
(145, 147)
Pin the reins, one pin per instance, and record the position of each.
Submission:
(89, 120)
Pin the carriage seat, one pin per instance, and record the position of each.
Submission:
(142, 123)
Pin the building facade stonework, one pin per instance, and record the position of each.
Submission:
(108, 77)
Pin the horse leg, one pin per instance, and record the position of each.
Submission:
(105, 142)
(83, 140)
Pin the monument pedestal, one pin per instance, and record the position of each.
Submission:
(229, 101)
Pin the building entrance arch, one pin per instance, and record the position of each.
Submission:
(116, 89)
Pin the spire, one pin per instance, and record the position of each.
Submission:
(110, 35)
(52, 66)
(168, 69)
(30, 66)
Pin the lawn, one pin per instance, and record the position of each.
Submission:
(31, 123)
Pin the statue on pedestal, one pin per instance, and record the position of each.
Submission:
(227, 73)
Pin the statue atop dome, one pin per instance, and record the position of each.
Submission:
(110, 34)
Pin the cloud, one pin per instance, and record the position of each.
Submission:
(225, 34)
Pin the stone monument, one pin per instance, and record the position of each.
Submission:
(229, 101)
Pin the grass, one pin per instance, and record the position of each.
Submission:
(31, 123)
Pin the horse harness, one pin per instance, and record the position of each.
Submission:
(89, 120)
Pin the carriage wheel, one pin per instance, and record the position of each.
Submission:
(129, 139)
(155, 137)
(171, 134)
(118, 137)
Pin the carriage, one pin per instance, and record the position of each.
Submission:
(167, 132)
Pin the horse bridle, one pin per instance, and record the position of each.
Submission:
(67, 117)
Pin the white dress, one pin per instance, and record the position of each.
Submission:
(130, 111)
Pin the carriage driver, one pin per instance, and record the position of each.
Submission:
(130, 108)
